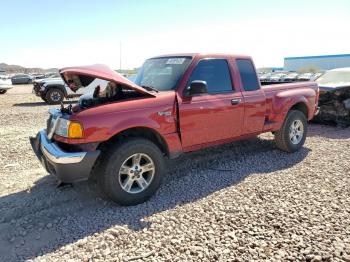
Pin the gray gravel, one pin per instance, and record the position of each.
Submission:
(243, 201)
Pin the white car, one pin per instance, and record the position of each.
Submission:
(54, 90)
(5, 84)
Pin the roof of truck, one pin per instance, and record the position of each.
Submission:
(205, 55)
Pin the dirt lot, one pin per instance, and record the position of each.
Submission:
(241, 202)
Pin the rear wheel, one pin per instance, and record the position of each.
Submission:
(54, 96)
(291, 137)
(2, 92)
(132, 171)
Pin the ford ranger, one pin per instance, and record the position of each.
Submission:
(179, 103)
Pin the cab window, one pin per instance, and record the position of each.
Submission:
(216, 73)
(248, 75)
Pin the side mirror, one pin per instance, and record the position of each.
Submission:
(197, 87)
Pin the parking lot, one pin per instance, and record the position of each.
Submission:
(245, 201)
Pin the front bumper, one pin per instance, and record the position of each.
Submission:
(37, 89)
(66, 166)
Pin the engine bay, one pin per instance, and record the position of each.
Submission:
(334, 107)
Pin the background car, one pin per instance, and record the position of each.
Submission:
(52, 75)
(291, 77)
(315, 76)
(334, 100)
(5, 84)
(21, 79)
(54, 90)
(279, 77)
(265, 77)
(305, 77)
(38, 76)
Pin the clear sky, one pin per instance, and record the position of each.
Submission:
(40, 33)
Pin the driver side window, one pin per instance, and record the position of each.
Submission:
(216, 73)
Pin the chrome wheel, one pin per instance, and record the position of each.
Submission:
(136, 173)
(296, 132)
(55, 96)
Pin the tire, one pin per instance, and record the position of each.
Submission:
(291, 137)
(43, 97)
(54, 96)
(117, 169)
(2, 92)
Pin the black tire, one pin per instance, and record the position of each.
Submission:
(283, 136)
(115, 157)
(43, 97)
(2, 92)
(54, 96)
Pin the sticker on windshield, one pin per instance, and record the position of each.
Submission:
(175, 61)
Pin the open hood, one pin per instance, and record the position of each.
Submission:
(88, 73)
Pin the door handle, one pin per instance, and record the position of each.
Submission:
(235, 101)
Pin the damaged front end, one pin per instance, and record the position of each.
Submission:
(334, 106)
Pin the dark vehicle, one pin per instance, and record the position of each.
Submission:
(21, 79)
(334, 101)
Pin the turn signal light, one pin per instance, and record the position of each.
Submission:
(75, 130)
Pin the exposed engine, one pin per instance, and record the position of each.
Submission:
(334, 107)
(118, 93)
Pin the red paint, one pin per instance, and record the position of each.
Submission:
(201, 121)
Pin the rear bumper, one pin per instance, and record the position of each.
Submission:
(66, 166)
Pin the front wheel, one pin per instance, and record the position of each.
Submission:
(291, 137)
(132, 171)
(2, 92)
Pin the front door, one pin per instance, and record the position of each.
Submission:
(215, 116)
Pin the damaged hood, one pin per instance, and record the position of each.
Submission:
(101, 72)
(333, 86)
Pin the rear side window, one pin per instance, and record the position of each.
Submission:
(248, 75)
(216, 73)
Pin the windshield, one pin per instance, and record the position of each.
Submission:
(162, 73)
(334, 77)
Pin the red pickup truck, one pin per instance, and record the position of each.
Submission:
(178, 103)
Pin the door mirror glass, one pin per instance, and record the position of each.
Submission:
(197, 87)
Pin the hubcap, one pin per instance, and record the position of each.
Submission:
(136, 173)
(296, 132)
(55, 96)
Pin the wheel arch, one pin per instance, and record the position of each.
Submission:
(302, 107)
(141, 132)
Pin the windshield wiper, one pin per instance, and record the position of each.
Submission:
(151, 88)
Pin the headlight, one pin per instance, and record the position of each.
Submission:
(69, 129)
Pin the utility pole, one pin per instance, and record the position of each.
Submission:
(120, 55)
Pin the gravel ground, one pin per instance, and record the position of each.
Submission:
(243, 201)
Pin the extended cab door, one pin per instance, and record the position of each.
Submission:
(254, 97)
(216, 115)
